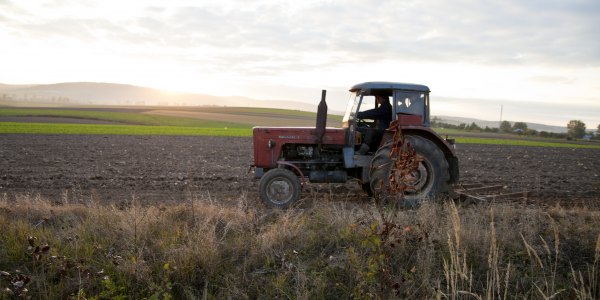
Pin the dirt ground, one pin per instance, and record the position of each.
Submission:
(176, 168)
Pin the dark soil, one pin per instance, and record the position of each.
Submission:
(117, 167)
(565, 175)
(175, 168)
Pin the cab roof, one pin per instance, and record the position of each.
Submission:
(383, 85)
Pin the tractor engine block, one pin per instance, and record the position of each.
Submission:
(310, 152)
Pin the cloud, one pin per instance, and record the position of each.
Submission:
(296, 44)
(555, 113)
(496, 32)
(553, 79)
(490, 32)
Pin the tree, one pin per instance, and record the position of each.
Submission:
(576, 128)
(598, 131)
(530, 131)
(474, 127)
(505, 126)
(520, 125)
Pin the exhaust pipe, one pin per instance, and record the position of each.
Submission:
(321, 119)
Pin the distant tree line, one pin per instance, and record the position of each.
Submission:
(34, 98)
(575, 129)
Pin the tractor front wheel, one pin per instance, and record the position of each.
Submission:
(279, 188)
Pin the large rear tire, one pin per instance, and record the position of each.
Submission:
(279, 188)
(429, 180)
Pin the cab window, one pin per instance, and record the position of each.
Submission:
(368, 102)
(410, 103)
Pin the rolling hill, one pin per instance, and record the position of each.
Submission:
(95, 93)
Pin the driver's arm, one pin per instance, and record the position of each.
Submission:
(373, 114)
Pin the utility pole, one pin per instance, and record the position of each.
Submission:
(501, 109)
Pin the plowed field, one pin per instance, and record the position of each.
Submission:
(175, 168)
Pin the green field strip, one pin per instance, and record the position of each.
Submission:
(255, 110)
(467, 133)
(122, 117)
(443, 131)
(262, 111)
(512, 142)
(271, 113)
(46, 128)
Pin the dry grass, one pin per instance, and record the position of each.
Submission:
(332, 249)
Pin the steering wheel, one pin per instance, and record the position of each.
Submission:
(361, 123)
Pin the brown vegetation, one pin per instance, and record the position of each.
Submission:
(330, 249)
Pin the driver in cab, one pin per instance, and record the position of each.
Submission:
(382, 113)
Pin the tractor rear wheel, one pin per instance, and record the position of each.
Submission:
(279, 188)
(428, 180)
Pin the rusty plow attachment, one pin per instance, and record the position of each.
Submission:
(478, 193)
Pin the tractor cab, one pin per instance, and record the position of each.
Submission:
(409, 104)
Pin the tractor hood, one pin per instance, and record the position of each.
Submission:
(300, 135)
(269, 140)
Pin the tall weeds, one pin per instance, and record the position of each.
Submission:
(331, 248)
(586, 284)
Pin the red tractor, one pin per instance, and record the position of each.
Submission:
(286, 157)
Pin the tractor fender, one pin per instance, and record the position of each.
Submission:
(431, 135)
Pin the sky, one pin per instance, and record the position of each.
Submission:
(538, 59)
